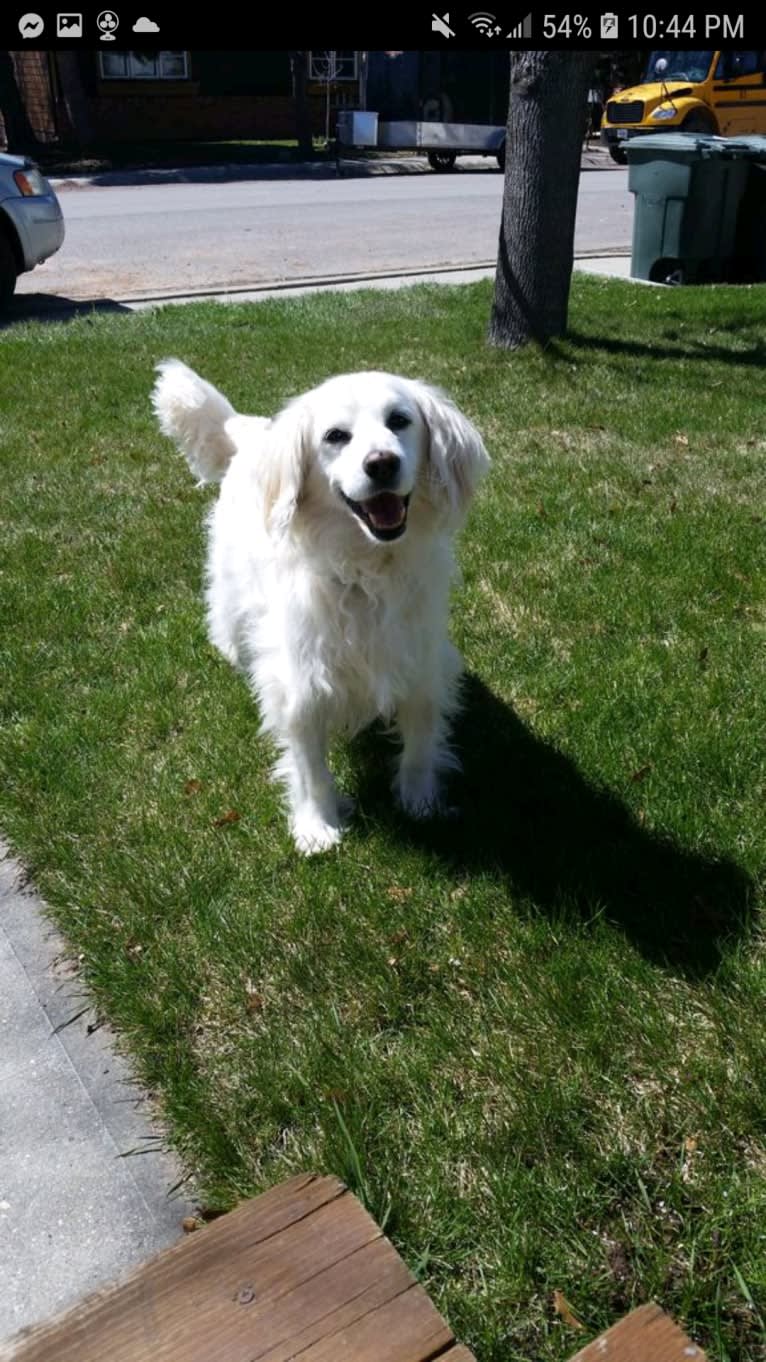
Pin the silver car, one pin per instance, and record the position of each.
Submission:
(31, 221)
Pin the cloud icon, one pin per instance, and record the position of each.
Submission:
(145, 26)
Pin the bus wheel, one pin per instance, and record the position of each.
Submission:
(618, 155)
(699, 121)
(442, 160)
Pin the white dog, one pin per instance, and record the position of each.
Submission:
(329, 569)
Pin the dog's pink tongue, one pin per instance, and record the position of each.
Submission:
(386, 510)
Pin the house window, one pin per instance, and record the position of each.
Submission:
(144, 65)
(334, 65)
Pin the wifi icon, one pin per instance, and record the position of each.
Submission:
(484, 23)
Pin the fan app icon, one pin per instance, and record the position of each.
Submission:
(106, 23)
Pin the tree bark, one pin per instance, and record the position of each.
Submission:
(544, 139)
(300, 63)
(75, 112)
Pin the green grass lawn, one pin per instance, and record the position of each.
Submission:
(138, 154)
(533, 1039)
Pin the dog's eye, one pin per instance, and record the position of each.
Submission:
(398, 421)
(337, 436)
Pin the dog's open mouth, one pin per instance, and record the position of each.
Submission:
(385, 514)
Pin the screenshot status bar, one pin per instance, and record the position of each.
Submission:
(379, 28)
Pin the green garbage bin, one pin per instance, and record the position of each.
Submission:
(750, 246)
(688, 189)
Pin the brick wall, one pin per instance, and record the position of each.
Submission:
(34, 85)
(125, 115)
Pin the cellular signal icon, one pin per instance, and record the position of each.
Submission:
(522, 30)
(485, 23)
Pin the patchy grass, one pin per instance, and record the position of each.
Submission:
(532, 1040)
(103, 156)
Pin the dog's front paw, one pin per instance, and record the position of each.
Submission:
(312, 834)
(419, 793)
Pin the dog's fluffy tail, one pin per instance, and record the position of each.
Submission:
(194, 414)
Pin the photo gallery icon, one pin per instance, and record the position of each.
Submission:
(68, 25)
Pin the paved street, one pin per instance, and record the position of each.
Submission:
(128, 241)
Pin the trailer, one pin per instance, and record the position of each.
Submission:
(441, 142)
(443, 104)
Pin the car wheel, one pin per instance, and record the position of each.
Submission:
(442, 160)
(619, 155)
(501, 155)
(8, 271)
(699, 121)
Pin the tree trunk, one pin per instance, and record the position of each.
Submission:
(300, 63)
(19, 133)
(75, 118)
(544, 138)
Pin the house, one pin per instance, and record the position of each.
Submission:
(111, 96)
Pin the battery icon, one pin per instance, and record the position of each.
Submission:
(610, 26)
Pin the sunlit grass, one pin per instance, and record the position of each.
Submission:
(532, 1039)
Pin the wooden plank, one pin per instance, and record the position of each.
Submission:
(301, 1271)
(406, 1329)
(457, 1354)
(264, 1249)
(645, 1335)
(331, 1301)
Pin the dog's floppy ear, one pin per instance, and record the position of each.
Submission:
(286, 453)
(456, 453)
(194, 414)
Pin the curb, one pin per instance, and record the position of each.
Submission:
(347, 167)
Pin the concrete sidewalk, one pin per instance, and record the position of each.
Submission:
(594, 157)
(77, 1208)
(616, 266)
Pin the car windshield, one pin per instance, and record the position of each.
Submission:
(679, 65)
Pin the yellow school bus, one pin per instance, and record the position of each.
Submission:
(714, 92)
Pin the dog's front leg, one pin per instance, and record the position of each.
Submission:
(423, 722)
(315, 811)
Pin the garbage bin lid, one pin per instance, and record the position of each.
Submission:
(754, 145)
(696, 144)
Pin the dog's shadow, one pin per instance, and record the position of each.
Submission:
(564, 846)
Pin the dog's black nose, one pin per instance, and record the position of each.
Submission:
(382, 467)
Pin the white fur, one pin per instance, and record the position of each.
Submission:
(333, 627)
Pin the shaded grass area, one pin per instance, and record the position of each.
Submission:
(164, 154)
(161, 153)
(532, 1038)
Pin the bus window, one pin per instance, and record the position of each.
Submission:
(693, 66)
(733, 64)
